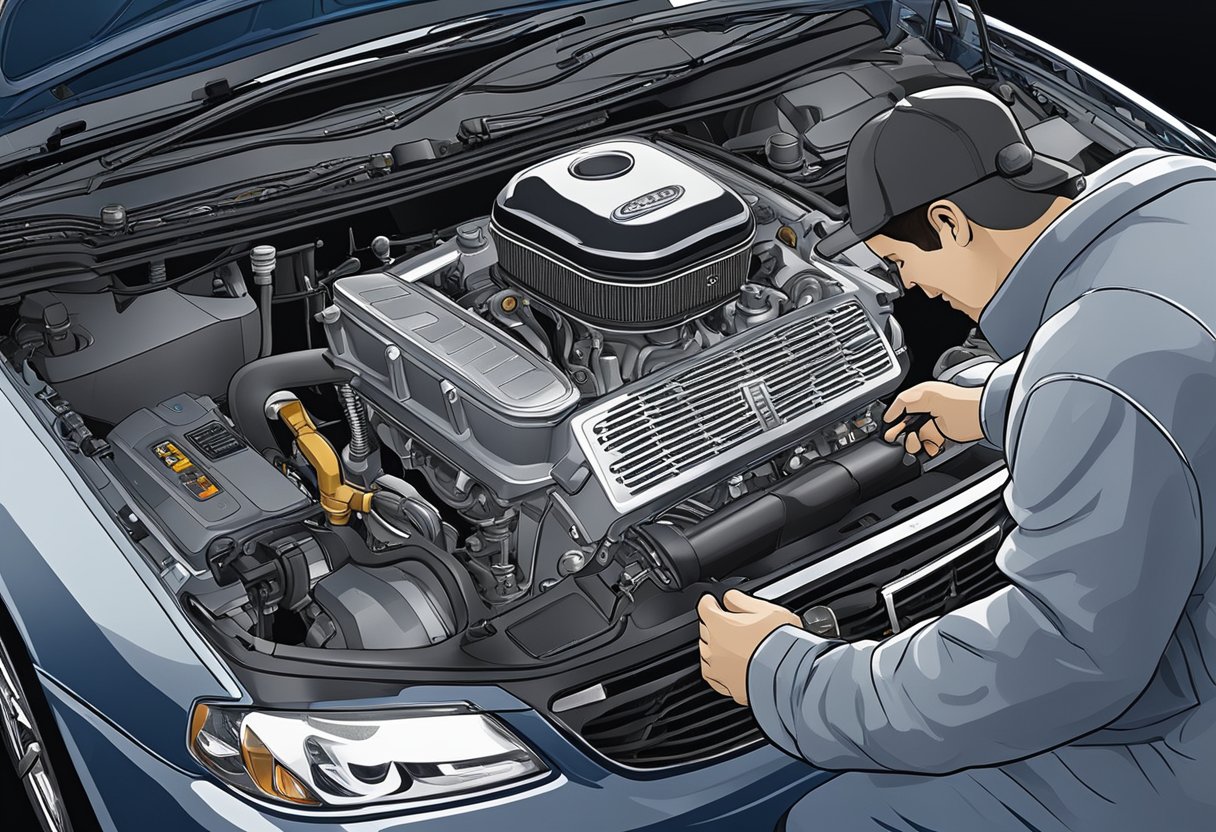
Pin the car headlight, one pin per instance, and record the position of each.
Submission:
(324, 759)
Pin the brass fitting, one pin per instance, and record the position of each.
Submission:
(337, 498)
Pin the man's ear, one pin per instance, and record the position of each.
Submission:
(949, 221)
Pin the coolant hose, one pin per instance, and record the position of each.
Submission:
(263, 260)
(254, 383)
(267, 305)
(786, 513)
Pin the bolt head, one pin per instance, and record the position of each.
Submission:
(113, 217)
(571, 562)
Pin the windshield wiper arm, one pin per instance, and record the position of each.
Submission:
(248, 100)
(480, 129)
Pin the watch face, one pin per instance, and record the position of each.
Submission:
(821, 621)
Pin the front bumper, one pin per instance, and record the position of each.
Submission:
(133, 789)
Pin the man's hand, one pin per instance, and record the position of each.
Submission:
(730, 635)
(954, 412)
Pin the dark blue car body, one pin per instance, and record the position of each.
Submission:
(121, 668)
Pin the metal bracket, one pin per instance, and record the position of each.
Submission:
(455, 406)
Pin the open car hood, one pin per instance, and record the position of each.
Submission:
(58, 54)
(68, 65)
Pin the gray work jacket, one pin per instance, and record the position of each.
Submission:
(1105, 408)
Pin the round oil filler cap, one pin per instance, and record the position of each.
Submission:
(607, 165)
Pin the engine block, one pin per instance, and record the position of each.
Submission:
(466, 386)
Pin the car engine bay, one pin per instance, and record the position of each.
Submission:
(586, 378)
(541, 432)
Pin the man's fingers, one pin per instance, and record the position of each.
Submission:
(903, 403)
(931, 434)
(708, 607)
(704, 633)
(912, 443)
(893, 434)
(931, 438)
(717, 686)
(736, 601)
(897, 409)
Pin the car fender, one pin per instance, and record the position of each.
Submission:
(94, 617)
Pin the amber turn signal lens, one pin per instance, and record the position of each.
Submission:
(268, 775)
(198, 720)
(289, 788)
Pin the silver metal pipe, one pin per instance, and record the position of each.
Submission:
(356, 418)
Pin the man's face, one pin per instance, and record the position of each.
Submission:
(951, 272)
(963, 273)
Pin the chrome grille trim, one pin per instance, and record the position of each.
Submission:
(842, 562)
(952, 558)
(624, 305)
(682, 425)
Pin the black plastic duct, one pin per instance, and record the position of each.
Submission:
(256, 381)
(788, 512)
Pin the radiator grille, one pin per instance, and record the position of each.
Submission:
(663, 713)
(691, 418)
(625, 306)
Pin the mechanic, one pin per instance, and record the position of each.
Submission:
(1083, 696)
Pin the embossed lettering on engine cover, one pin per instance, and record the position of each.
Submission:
(646, 203)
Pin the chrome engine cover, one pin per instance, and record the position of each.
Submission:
(623, 235)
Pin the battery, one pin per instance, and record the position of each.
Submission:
(187, 467)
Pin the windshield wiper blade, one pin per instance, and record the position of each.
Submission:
(774, 26)
(481, 129)
(241, 103)
(475, 131)
(323, 176)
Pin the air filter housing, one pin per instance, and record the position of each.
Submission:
(623, 235)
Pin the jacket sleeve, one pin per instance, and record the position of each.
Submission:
(1106, 552)
(994, 401)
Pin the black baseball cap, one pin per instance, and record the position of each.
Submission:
(934, 144)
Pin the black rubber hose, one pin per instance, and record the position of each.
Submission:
(255, 382)
(267, 309)
(788, 512)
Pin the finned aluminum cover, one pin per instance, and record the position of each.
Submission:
(454, 343)
(664, 433)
